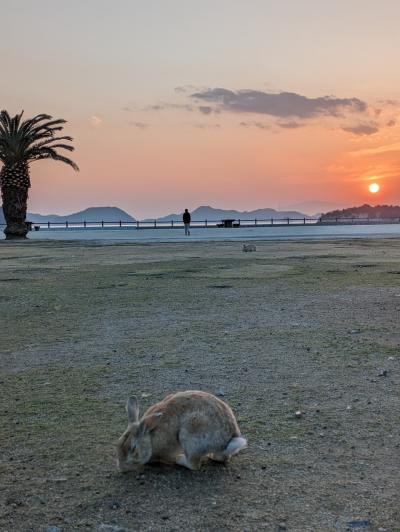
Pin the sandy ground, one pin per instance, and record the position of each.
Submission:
(310, 326)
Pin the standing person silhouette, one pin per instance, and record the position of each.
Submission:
(186, 220)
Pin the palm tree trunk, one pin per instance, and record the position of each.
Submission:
(15, 201)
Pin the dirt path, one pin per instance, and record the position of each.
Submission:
(309, 326)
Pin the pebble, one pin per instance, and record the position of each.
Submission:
(383, 373)
(110, 528)
(114, 505)
(14, 502)
(362, 523)
(52, 528)
(36, 499)
(220, 393)
(282, 526)
(299, 414)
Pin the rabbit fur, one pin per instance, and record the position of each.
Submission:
(185, 428)
(249, 247)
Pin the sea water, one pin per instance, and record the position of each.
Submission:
(218, 234)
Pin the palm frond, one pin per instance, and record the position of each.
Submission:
(49, 126)
(5, 120)
(38, 150)
(49, 153)
(15, 123)
(49, 141)
(32, 139)
(31, 122)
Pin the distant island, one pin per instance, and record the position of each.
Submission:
(205, 212)
(378, 212)
(114, 214)
(92, 214)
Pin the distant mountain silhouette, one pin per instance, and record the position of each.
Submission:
(204, 212)
(365, 211)
(314, 207)
(210, 213)
(92, 214)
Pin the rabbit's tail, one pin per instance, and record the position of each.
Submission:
(235, 445)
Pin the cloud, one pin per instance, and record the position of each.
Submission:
(395, 147)
(185, 88)
(259, 125)
(390, 102)
(95, 121)
(206, 109)
(285, 124)
(289, 124)
(166, 106)
(366, 128)
(207, 126)
(282, 105)
(139, 125)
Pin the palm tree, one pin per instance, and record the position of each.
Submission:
(21, 143)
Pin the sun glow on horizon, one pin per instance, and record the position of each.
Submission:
(374, 188)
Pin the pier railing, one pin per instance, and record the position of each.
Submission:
(171, 224)
(357, 221)
(204, 224)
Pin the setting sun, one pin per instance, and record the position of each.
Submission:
(373, 188)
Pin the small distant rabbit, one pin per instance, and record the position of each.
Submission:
(249, 247)
(185, 428)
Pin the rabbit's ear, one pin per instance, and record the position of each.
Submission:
(132, 409)
(149, 423)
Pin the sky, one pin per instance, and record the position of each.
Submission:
(175, 103)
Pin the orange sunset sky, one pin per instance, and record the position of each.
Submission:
(234, 104)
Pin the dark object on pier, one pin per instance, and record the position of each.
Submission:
(227, 222)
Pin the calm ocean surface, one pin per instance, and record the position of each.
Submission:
(210, 234)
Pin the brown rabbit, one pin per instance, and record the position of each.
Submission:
(249, 247)
(185, 428)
